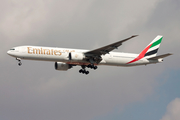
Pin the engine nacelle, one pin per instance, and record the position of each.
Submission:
(74, 56)
(62, 66)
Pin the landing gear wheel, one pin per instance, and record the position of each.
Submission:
(83, 71)
(95, 67)
(92, 66)
(80, 71)
(20, 64)
(19, 60)
(87, 72)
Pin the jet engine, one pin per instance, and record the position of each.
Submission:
(62, 66)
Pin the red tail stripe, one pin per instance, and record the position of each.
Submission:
(141, 55)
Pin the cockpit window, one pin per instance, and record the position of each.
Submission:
(12, 49)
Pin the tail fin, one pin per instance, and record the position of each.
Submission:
(150, 51)
(153, 47)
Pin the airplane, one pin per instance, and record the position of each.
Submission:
(66, 58)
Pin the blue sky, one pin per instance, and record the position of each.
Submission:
(37, 91)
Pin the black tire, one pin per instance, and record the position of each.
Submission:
(95, 67)
(83, 71)
(87, 72)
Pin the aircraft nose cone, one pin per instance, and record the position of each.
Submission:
(9, 52)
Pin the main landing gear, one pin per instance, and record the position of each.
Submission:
(92, 66)
(84, 71)
(19, 61)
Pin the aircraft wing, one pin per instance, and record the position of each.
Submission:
(106, 49)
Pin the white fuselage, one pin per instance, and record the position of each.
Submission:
(62, 55)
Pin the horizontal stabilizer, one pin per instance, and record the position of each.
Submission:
(160, 56)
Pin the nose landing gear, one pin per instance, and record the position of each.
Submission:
(19, 61)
